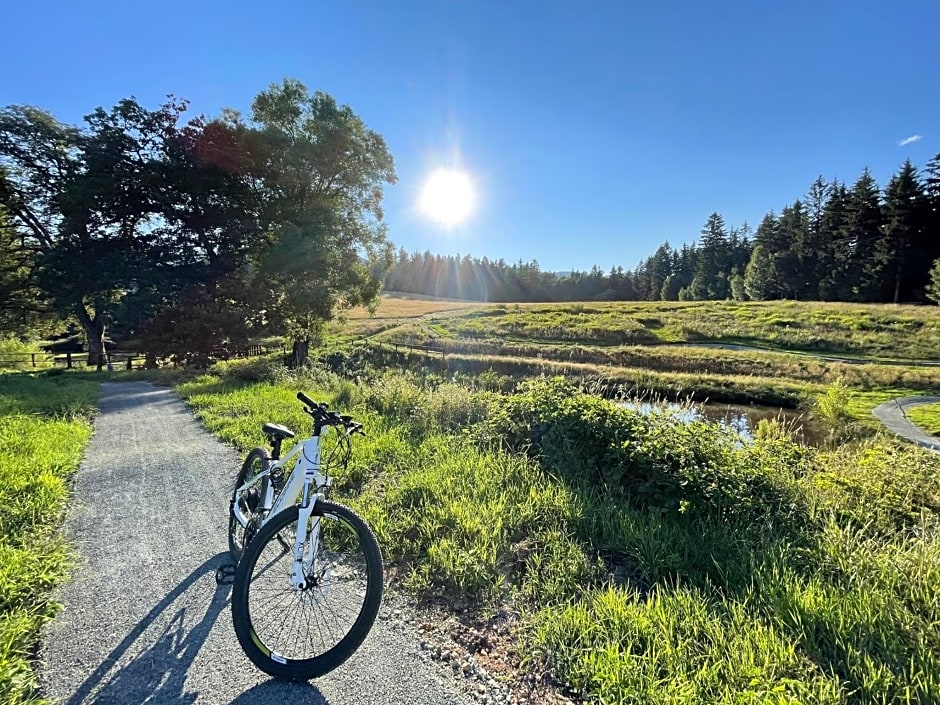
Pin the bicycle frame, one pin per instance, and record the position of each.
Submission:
(304, 483)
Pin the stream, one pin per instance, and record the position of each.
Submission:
(742, 419)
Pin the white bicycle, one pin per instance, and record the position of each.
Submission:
(308, 580)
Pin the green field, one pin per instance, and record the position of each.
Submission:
(44, 427)
(770, 353)
(856, 330)
(927, 417)
(650, 560)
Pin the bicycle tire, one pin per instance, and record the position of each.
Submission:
(336, 586)
(236, 532)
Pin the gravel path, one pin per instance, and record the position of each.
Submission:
(143, 619)
(892, 415)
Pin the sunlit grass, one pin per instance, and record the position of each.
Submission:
(653, 561)
(855, 330)
(927, 417)
(44, 427)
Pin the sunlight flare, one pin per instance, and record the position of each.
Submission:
(447, 196)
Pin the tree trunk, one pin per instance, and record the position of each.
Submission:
(300, 353)
(94, 336)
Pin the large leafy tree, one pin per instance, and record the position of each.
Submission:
(86, 202)
(23, 306)
(320, 187)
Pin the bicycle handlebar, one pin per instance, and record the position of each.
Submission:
(322, 415)
(307, 400)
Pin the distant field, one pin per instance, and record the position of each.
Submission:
(393, 305)
(865, 331)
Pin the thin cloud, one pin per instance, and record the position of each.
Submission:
(910, 140)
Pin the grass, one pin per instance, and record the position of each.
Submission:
(653, 560)
(44, 427)
(854, 330)
(927, 417)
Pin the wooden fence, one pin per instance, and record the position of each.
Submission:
(116, 359)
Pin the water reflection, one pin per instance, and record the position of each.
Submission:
(743, 420)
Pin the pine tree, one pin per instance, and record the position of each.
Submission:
(834, 276)
(933, 288)
(900, 253)
(712, 270)
(864, 219)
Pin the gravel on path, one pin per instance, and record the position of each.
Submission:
(143, 619)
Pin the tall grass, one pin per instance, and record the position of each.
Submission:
(656, 561)
(44, 427)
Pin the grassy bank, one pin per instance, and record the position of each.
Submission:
(655, 561)
(44, 427)
(927, 417)
(868, 331)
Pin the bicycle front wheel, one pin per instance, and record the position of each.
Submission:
(299, 634)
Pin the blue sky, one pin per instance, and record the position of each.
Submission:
(593, 131)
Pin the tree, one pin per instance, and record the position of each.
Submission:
(325, 246)
(933, 289)
(712, 270)
(83, 200)
(23, 307)
(863, 227)
(760, 275)
(835, 282)
(900, 252)
(738, 290)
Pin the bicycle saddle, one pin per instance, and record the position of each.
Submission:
(275, 430)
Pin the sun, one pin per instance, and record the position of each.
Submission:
(447, 196)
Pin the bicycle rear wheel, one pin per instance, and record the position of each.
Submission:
(256, 462)
(299, 634)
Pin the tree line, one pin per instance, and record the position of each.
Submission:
(836, 243)
(191, 234)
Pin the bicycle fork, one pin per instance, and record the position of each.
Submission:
(305, 559)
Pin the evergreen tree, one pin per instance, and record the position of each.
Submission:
(712, 270)
(835, 282)
(933, 288)
(864, 220)
(901, 251)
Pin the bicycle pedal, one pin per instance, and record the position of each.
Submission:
(225, 575)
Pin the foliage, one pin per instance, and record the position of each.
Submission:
(653, 561)
(933, 289)
(43, 430)
(84, 200)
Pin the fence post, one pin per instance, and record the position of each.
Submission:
(68, 360)
(130, 366)
(33, 357)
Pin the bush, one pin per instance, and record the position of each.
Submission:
(253, 369)
(654, 460)
(15, 354)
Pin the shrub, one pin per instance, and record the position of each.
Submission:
(654, 460)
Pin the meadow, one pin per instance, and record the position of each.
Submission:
(44, 427)
(646, 559)
(866, 331)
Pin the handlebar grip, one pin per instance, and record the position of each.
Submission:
(307, 400)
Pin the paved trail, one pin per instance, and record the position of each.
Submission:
(143, 619)
(892, 415)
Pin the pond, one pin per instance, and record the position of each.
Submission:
(742, 419)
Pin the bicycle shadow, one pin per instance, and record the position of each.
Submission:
(181, 623)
